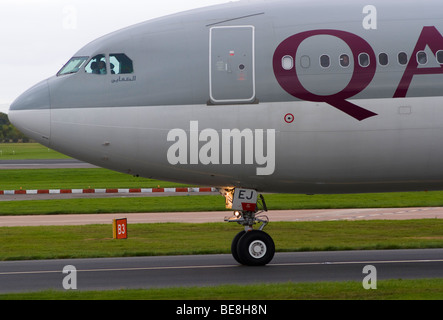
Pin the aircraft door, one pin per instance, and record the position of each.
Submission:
(232, 64)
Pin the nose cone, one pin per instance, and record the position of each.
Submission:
(30, 113)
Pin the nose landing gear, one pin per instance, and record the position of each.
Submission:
(250, 247)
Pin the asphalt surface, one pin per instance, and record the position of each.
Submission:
(44, 164)
(210, 270)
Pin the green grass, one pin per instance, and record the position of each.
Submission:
(103, 178)
(24, 151)
(34, 179)
(59, 242)
(113, 205)
(90, 205)
(426, 289)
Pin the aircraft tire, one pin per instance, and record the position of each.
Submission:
(234, 245)
(255, 248)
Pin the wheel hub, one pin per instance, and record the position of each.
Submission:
(257, 249)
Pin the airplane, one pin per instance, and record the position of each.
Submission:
(253, 97)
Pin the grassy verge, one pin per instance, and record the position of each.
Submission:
(113, 205)
(217, 203)
(24, 151)
(35, 179)
(25, 243)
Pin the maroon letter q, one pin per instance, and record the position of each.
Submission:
(361, 77)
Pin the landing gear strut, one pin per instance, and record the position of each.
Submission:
(249, 247)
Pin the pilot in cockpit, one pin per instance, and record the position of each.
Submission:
(94, 68)
(102, 67)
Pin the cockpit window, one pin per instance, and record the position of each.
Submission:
(72, 66)
(97, 65)
(120, 63)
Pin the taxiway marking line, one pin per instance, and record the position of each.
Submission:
(228, 266)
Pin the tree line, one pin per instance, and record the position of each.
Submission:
(9, 133)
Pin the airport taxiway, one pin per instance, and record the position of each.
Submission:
(211, 270)
(44, 164)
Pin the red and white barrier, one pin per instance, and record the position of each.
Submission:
(102, 191)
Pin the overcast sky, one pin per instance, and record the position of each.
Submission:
(37, 37)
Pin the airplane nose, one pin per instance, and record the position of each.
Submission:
(30, 113)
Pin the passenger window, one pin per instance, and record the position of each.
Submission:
(325, 61)
(363, 60)
(402, 58)
(97, 65)
(344, 60)
(305, 62)
(120, 63)
(383, 59)
(422, 58)
(287, 62)
(440, 56)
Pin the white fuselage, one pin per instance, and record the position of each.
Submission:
(284, 96)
